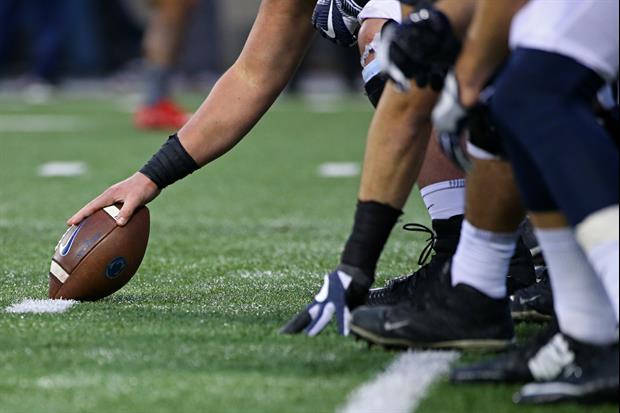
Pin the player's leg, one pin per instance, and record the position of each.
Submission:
(162, 43)
(584, 183)
(466, 305)
(442, 184)
(395, 161)
(397, 142)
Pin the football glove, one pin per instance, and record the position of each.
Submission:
(454, 122)
(423, 48)
(343, 290)
(336, 20)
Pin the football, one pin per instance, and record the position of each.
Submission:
(97, 257)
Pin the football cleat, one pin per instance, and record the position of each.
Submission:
(534, 303)
(510, 367)
(441, 317)
(529, 238)
(570, 370)
(164, 115)
(443, 242)
(336, 20)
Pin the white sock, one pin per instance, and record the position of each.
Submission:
(445, 199)
(581, 303)
(605, 258)
(598, 236)
(482, 260)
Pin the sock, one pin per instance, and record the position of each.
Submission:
(598, 236)
(157, 84)
(448, 233)
(606, 259)
(445, 199)
(482, 260)
(371, 229)
(581, 304)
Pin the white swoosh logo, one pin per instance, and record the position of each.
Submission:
(330, 32)
(528, 300)
(395, 326)
(66, 247)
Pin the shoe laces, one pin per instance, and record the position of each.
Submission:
(408, 283)
(430, 242)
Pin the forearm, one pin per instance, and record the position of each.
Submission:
(486, 46)
(459, 12)
(274, 49)
(396, 146)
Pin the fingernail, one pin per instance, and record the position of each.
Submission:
(121, 220)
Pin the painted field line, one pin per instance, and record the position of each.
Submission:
(402, 386)
(62, 169)
(339, 170)
(40, 306)
(41, 123)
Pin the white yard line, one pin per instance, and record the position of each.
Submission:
(42, 123)
(402, 386)
(339, 170)
(62, 169)
(40, 306)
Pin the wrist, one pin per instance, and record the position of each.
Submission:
(145, 180)
(170, 164)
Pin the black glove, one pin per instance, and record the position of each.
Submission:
(455, 123)
(423, 48)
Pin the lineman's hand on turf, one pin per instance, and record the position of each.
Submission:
(133, 192)
(342, 291)
(423, 48)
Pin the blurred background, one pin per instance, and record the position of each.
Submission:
(100, 46)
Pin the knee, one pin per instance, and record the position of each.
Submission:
(365, 38)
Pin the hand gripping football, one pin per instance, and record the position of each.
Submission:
(97, 257)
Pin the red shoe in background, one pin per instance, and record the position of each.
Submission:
(165, 115)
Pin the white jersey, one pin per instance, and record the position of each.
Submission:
(584, 30)
(381, 9)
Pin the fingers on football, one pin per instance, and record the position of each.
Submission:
(96, 204)
(129, 206)
(297, 324)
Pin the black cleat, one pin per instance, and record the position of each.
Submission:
(440, 317)
(443, 241)
(510, 367)
(531, 242)
(521, 273)
(574, 371)
(534, 303)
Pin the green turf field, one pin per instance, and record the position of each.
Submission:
(235, 250)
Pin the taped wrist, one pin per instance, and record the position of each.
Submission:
(373, 223)
(170, 164)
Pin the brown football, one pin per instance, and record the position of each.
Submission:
(97, 257)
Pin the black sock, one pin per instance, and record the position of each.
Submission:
(448, 233)
(373, 223)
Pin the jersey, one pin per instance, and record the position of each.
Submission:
(584, 30)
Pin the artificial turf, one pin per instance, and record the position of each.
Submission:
(235, 250)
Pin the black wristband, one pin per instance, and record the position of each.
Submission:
(373, 223)
(170, 164)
